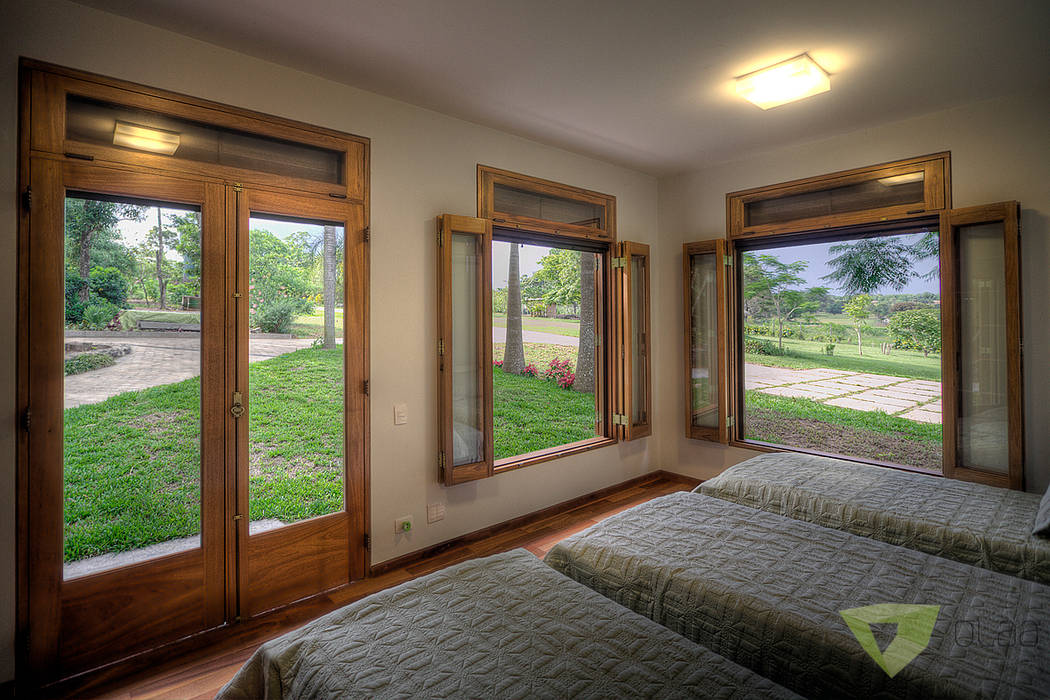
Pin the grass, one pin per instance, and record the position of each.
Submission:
(312, 325)
(540, 354)
(805, 354)
(88, 361)
(559, 326)
(532, 414)
(132, 462)
(808, 424)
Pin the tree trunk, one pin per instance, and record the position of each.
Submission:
(329, 286)
(514, 349)
(585, 358)
(161, 282)
(84, 268)
(860, 348)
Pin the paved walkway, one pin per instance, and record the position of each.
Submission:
(914, 399)
(499, 335)
(156, 360)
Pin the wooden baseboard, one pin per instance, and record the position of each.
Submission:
(558, 508)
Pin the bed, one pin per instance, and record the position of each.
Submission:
(972, 523)
(766, 591)
(506, 626)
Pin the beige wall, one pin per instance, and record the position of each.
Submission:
(423, 164)
(1000, 151)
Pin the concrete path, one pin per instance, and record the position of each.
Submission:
(158, 360)
(499, 335)
(914, 399)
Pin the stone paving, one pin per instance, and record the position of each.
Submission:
(914, 399)
(163, 358)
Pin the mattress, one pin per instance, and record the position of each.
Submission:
(768, 593)
(506, 626)
(972, 523)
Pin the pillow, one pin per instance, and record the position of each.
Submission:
(1042, 518)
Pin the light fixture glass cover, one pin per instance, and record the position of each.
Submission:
(143, 138)
(783, 82)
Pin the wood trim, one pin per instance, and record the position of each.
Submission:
(759, 446)
(937, 196)
(447, 226)
(527, 459)
(949, 263)
(632, 430)
(718, 248)
(433, 550)
(488, 177)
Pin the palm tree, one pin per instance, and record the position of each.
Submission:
(585, 359)
(329, 286)
(514, 349)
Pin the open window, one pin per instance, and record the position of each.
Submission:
(543, 328)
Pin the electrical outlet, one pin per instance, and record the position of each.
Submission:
(400, 413)
(403, 525)
(435, 512)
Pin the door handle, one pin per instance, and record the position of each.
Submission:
(237, 409)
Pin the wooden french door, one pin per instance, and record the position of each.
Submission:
(140, 523)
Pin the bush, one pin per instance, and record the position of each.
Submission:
(829, 349)
(87, 362)
(530, 370)
(74, 306)
(917, 329)
(98, 314)
(276, 317)
(758, 346)
(561, 372)
(108, 283)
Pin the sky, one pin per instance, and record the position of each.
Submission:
(528, 261)
(817, 255)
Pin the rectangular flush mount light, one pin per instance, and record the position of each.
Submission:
(143, 138)
(783, 82)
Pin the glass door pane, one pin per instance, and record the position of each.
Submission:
(296, 387)
(983, 395)
(468, 443)
(132, 388)
(703, 344)
(639, 348)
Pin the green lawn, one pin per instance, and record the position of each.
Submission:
(532, 413)
(540, 354)
(132, 462)
(312, 325)
(805, 354)
(560, 326)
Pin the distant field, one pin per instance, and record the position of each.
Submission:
(560, 326)
(807, 354)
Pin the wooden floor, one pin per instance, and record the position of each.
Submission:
(200, 672)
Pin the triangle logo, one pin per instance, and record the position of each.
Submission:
(914, 629)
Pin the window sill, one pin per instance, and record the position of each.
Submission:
(772, 447)
(567, 450)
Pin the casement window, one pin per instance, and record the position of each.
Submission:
(857, 314)
(543, 328)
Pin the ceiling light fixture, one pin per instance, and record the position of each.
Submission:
(904, 179)
(784, 82)
(143, 138)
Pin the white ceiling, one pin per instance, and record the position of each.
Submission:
(644, 84)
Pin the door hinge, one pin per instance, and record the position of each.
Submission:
(619, 419)
(618, 262)
(238, 187)
(365, 387)
(237, 408)
(238, 517)
(27, 420)
(368, 233)
(441, 463)
(728, 260)
(27, 199)
(440, 238)
(441, 347)
(729, 421)
(367, 541)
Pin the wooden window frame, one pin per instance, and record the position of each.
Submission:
(936, 197)
(626, 325)
(724, 270)
(488, 177)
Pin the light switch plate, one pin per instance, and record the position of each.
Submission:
(400, 413)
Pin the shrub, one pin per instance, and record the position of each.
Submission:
(566, 381)
(497, 363)
(74, 306)
(109, 284)
(917, 329)
(829, 349)
(530, 370)
(98, 314)
(87, 362)
(758, 346)
(558, 368)
(276, 317)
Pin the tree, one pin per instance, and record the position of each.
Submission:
(862, 267)
(859, 308)
(768, 282)
(91, 225)
(329, 286)
(917, 329)
(560, 270)
(160, 240)
(188, 228)
(584, 381)
(514, 348)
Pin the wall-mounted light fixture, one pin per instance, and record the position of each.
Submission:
(904, 179)
(144, 138)
(783, 82)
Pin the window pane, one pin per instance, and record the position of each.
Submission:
(295, 372)
(842, 348)
(92, 121)
(131, 429)
(883, 192)
(983, 433)
(468, 442)
(515, 202)
(638, 347)
(703, 283)
(544, 326)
